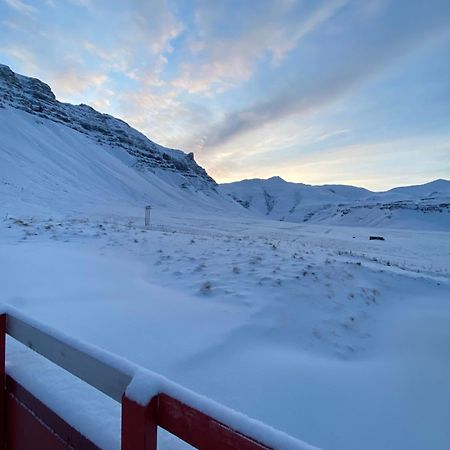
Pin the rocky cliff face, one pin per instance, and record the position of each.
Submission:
(35, 97)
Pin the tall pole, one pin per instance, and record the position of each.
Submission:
(147, 216)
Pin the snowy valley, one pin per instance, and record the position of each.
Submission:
(263, 295)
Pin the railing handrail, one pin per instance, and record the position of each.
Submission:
(118, 378)
(104, 377)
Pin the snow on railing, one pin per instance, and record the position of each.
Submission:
(148, 399)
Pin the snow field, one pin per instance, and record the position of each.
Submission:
(314, 330)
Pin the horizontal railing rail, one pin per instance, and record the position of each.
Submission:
(104, 377)
(189, 416)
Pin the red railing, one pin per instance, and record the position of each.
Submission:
(27, 423)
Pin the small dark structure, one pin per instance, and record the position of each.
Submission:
(376, 238)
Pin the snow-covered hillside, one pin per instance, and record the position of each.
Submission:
(48, 167)
(36, 98)
(425, 206)
(61, 157)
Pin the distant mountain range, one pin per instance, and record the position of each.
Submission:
(426, 205)
(61, 157)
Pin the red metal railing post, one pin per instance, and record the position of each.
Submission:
(139, 424)
(2, 381)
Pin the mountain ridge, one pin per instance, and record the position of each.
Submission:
(426, 205)
(439, 182)
(36, 97)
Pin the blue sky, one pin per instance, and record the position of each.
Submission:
(315, 91)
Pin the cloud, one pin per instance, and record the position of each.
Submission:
(21, 6)
(86, 3)
(100, 104)
(352, 65)
(273, 29)
(69, 82)
(68, 79)
(23, 55)
(163, 116)
(143, 28)
(290, 38)
(76, 55)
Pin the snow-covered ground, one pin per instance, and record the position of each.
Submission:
(340, 341)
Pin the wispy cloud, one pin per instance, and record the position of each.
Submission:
(20, 6)
(164, 117)
(359, 62)
(221, 62)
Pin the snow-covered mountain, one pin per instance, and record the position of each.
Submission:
(426, 205)
(64, 157)
(35, 97)
(58, 155)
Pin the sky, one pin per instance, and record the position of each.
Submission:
(315, 91)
